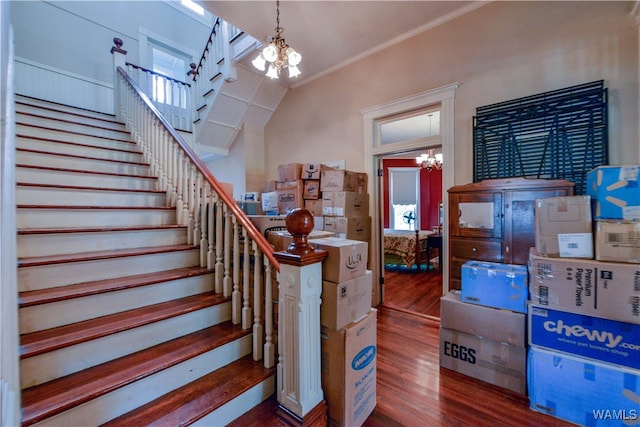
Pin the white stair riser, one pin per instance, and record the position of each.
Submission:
(51, 196)
(23, 110)
(123, 143)
(44, 176)
(78, 150)
(59, 218)
(59, 107)
(238, 406)
(69, 127)
(52, 275)
(58, 363)
(59, 313)
(91, 165)
(31, 245)
(118, 402)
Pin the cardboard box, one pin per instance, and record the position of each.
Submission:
(495, 285)
(582, 391)
(585, 336)
(327, 202)
(349, 365)
(314, 206)
(359, 182)
(354, 228)
(563, 227)
(270, 202)
(289, 172)
(346, 259)
(266, 223)
(610, 290)
(311, 189)
(281, 239)
(615, 192)
(346, 302)
(336, 180)
(251, 208)
(348, 203)
(269, 186)
(618, 241)
(484, 359)
(491, 323)
(310, 171)
(290, 196)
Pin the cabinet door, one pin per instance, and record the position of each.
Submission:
(519, 222)
(476, 214)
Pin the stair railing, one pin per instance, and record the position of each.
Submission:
(170, 96)
(229, 242)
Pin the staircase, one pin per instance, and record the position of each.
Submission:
(119, 323)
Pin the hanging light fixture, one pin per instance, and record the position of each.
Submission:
(430, 161)
(278, 54)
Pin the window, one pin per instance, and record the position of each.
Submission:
(409, 127)
(193, 7)
(170, 63)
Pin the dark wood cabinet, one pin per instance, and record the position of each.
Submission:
(492, 220)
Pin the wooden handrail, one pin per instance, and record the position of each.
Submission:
(155, 73)
(242, 218)
(196, 72)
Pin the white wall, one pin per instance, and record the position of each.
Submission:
(62, 48)
(501, 51)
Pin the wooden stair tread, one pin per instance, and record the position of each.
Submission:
(195, 400)
(122, 126)
(80, 187)
(39, 342)
(58, 107)
(74, 132)
(134, 149)
(90, 207)
(79, 290)
(45, 400)
(68, 170)
(77, 156)
(27, 231)
(91, 256)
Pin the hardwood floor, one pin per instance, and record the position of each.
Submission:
(416, 291)
(412, 389)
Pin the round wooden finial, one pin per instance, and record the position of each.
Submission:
(299, 223)
(118, 42)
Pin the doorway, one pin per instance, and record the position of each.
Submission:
(411, 200)
(442, 99)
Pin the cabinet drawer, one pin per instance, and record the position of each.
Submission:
(484, 250)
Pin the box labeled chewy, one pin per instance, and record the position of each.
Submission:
(346, 302)
(492, 323)
(610, 290)
(563, 226)
(582, 391)
(349, 363)
(495, 285)
(346, 259)
(487, 360)
(615, 192)
(585, 336)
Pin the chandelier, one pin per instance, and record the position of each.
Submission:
(278, 54)
(430, 161)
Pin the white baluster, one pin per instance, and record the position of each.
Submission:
(235, 295)
(246, 282)
(269, 349)
(211, 254)
(204, 225)
(226, 281)
(257, 303)
(219, 241)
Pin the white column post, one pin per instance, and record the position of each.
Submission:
(300, 396)
(119, 60)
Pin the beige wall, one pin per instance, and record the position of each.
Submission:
(498, 52)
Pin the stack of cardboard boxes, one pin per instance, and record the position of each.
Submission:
(348, 332)
(483, 326)
(584, 313)
(337, 198)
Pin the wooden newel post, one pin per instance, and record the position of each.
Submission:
(119, 60)
(300, 396)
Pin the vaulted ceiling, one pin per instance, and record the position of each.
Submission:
(331, 34)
